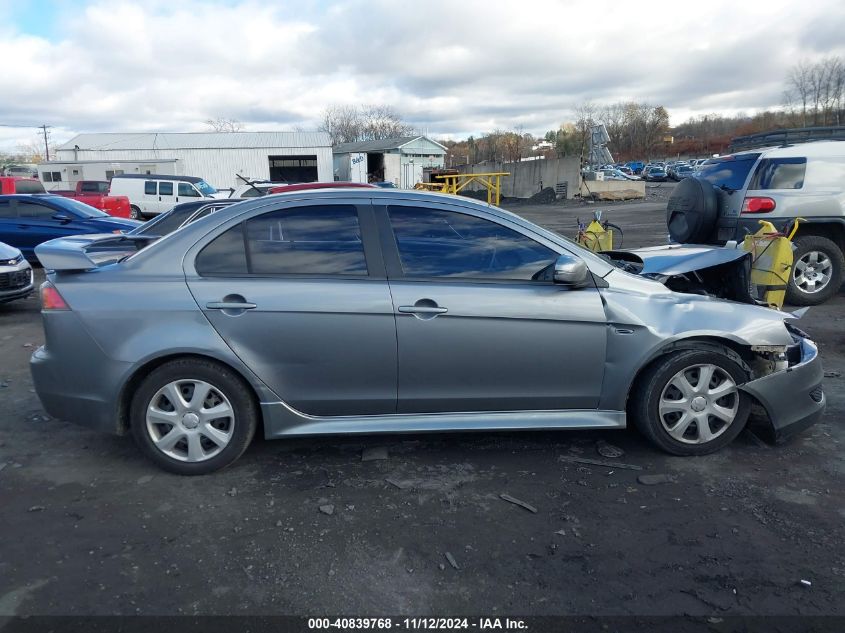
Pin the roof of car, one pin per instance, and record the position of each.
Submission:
(159, 177)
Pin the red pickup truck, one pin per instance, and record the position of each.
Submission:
(95, 193)
(18, 184)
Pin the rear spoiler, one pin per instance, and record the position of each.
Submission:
(86, 252)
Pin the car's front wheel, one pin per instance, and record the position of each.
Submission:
(191, 416)
(689, 403)
(816, 271)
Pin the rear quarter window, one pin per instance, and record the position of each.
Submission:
(779, 173)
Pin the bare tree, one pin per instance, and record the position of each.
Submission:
(222, 124)
(382, 121)
(347, 124)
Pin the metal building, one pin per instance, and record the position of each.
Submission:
(215, 156)
(398, 160)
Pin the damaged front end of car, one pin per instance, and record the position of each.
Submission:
(723, 273)
(786, 383)
(707, 305)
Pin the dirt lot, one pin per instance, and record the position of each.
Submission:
(88, 527)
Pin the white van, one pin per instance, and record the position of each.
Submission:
(151, 194)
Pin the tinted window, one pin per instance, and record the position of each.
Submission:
(319, 240)
(7, 210)
(252, 192)
(28, 186)
(28, 209)
(779, 173)
(165, 188)
(434, 243)
(95, 187)
(166, 222)
(187, 191)
(728, 171)
(225, 255)
(150, 187)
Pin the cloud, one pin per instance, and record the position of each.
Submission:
(452, 68)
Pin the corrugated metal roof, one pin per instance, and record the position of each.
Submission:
(382, 145)
(196, 140)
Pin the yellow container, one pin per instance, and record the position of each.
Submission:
(771, 257)
(596, 238)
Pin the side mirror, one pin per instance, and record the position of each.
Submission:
(62, 217)
(570, 271)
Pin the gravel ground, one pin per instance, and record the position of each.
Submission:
(306, 526)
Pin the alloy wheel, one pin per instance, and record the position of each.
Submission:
(812, 272)
(698, 404)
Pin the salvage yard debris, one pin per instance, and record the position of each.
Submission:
(653, 480)
(598, 462)
(374, 453)
(516, 501)
(452, 560)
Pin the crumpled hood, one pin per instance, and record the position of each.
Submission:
(677, 259)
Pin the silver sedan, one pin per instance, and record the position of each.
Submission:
(368, 311)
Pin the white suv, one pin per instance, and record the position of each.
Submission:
(777, 184)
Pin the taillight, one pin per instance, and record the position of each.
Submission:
(51, 299)
(758, 205)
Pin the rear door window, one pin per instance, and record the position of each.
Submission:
(779, 173)
(165, 188)
(728, 172)
(314, 240)
(150, 187)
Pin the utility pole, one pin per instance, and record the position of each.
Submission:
(46, 145)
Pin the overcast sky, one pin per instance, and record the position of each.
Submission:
(450, 68)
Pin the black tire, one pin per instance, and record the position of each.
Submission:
(223, 380)
(648, 389)
(805, 244)
(135, 213)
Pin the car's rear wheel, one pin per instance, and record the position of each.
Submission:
(816, 271)
(192, 416)
(689, 403)
(135, 213)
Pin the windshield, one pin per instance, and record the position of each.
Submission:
(205, 188)
(728, 172)
(79, 208)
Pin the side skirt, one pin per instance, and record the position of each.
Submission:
(281, 420)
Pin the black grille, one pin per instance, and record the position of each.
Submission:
(14, 280)
(817, 394)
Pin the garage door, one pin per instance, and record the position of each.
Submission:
(292, 169)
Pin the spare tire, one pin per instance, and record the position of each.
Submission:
(692, 212)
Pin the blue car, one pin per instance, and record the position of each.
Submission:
(28, 220)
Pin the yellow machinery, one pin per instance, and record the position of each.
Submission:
(454, 183)
(438, 187)
(771, 260)
(597, 236)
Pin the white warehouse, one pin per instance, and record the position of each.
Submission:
(401, 160)
(218, 157)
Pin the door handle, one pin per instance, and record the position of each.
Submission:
(422, 310)
(230, 305)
